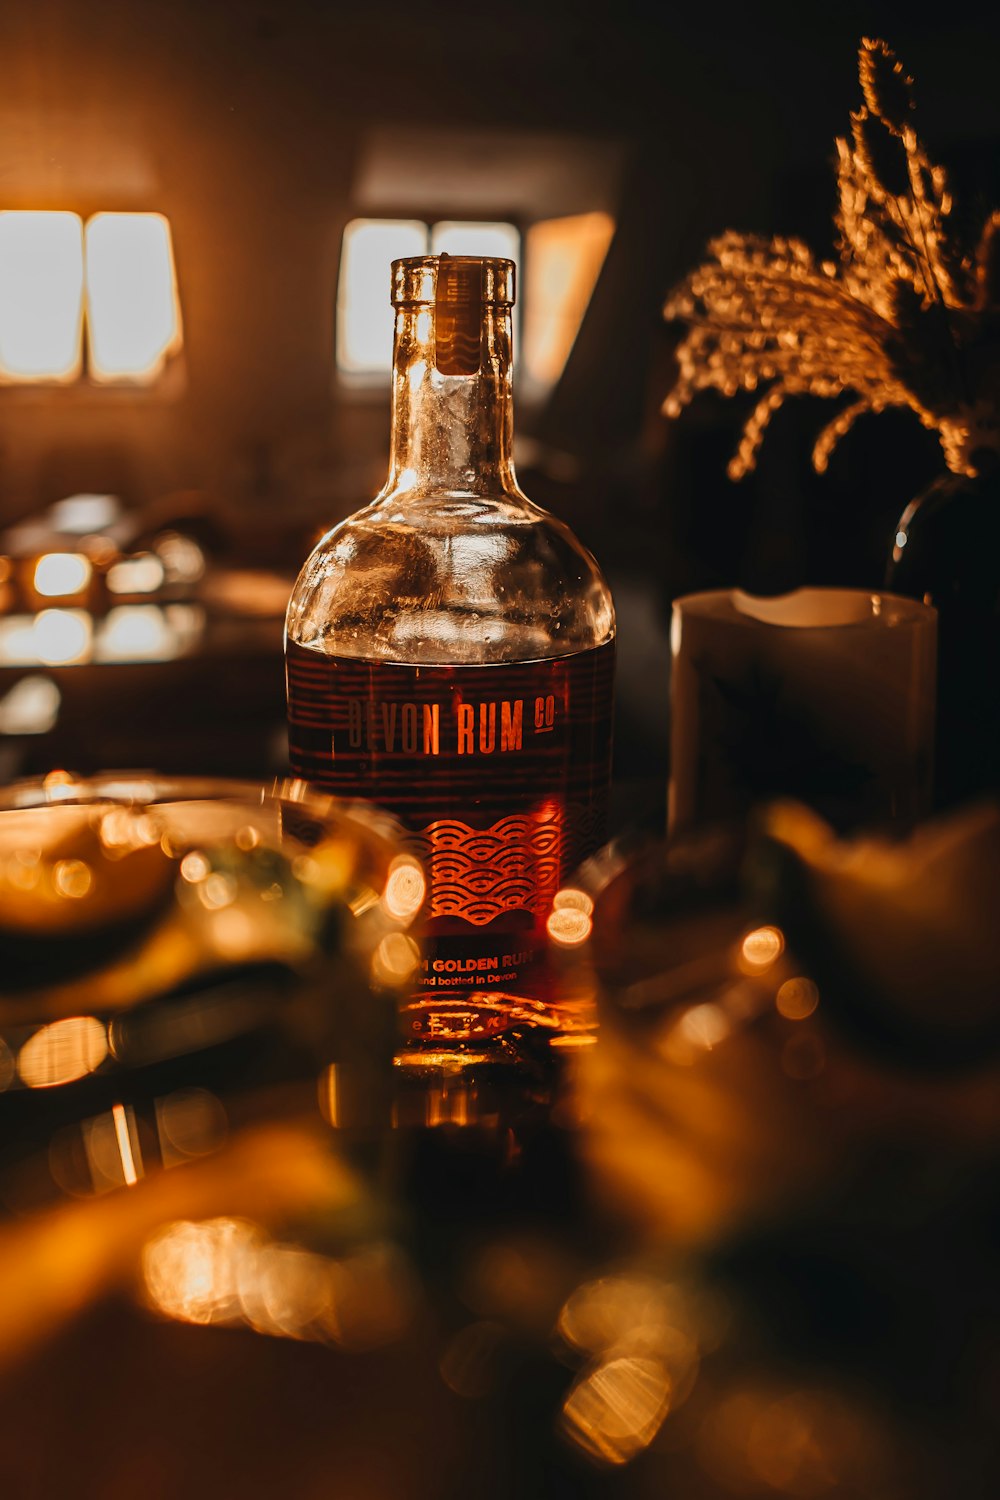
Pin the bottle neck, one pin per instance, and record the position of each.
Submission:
(452, 433)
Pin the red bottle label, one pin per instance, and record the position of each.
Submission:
(500, 774)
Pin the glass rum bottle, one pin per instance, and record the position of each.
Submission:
(450, 655)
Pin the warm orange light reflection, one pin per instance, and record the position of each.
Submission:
(327, 869)
(616, 1409)
(761, 948)
(329, 1095)
(569, 927)
(142, 574)
(183, 560)
(133, 314)
(395, 959)
(30, 707)
(563, 259)
(149, 632)
(698, 1030)
(233, 933)
(217, 890)
(635, 1312)
(130, 1159)
(24, 870)
(194, 866)
(60, 573)
(286, 1291)
(60, 786)
(405, 888)
(72, 878)
(575, 899)
(231, 1271)
(41, 295)
(58, 637)
(138, 632)
(124, 829)
(190, 1123)
(797, 999)
(63, 1052)
(193, 1271)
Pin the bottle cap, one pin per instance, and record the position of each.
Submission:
(484, 280)
(458, 287)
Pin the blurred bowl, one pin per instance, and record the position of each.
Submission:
(161, 932)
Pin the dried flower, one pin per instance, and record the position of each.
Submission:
(901, 318)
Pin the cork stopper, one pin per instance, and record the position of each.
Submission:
(457, 287)
(458, 315)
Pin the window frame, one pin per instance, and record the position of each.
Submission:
(368, 386)
(168, 385)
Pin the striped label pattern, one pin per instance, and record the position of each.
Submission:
(499, 772)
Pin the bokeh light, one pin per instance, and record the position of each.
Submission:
(395, 960)
(577, 900)
(192, 1271)
(59, 573)
(231, 1271)
(616, 1409)
(195, 866)
(57, 637)
(63, 1052)
(72, 878)
(797, 999)
(569, 927)
(761, 948)
(31, 706)
(405, 888)
(190, 1123)
(697, 1030)
(142, 574)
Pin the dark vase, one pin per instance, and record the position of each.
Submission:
(947, 552)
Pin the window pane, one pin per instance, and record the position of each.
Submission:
(563, 260)
(41, 294)
(473, 237)
(457, 237)
(364, 309)
(133, 317)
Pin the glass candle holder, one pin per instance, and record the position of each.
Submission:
(825, 695)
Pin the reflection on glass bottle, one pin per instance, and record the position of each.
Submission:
(450, 652)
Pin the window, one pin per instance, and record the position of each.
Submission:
(558, 263)
(41, 296)
(133, 319)
(113, 277)
(364, 312)
(563, 261)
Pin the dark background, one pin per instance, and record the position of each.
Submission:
(254, 128)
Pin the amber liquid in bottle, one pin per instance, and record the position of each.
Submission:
(450, 656)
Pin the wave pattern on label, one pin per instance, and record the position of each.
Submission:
(479, 874)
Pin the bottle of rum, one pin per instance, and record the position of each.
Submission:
(450, 655)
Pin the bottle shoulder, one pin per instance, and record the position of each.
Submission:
(451, 578)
